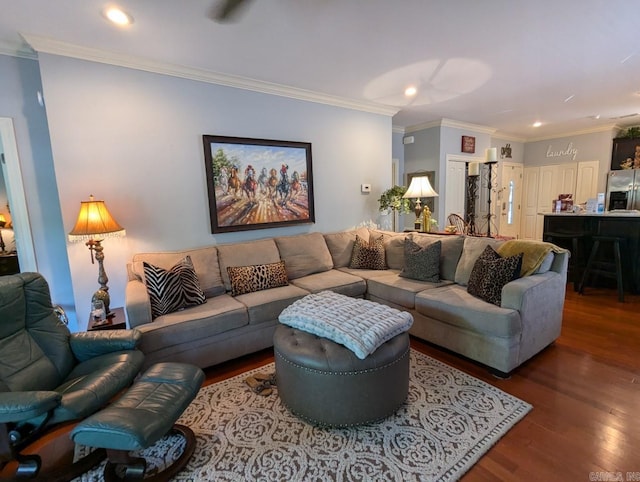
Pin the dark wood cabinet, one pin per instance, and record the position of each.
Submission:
(627, 227)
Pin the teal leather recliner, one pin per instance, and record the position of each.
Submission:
(49, 375)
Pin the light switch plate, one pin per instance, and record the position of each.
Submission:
(365, 187)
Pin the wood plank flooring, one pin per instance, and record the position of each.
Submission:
(585, 390)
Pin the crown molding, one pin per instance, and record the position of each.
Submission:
(444, 122)
(593, 130)
(55, 47)
(506, 137)
(397, 129)
(16, 49)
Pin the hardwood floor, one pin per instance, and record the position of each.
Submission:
(585, 392)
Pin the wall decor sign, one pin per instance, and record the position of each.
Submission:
(569, 151)
(505, 151)
(257, 183)
(468, 144)
(625, 154)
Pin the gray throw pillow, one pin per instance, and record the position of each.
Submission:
(421, 262)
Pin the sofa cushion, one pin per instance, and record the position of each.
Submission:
(333, 280)
(394, 250)
(491, 272)
(205, 262)
(219, 314)
(263, 251)
(263, 306)
(257, 277)
(399, 291)
(455, 306)
(421, 262)
(472, 249)
(368, 255)
(340, 245)
(304, 254)
(173, 289)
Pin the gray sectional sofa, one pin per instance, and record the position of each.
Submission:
(225, 327)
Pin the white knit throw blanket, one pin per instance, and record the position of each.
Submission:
(360, 325)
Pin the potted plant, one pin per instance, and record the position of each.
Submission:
(392, 200)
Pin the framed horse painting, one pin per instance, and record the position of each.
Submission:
(257, 183)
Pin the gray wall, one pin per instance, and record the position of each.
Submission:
(134, 139)
(18, 100)
(595, 146)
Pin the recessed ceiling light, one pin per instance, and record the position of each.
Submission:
(410, 91)
(537, 124)
(118, 16)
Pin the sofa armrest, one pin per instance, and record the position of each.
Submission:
(19, 406)
(137, 303)
(89, 344)
(540, 301)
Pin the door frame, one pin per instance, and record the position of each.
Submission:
(17, 198)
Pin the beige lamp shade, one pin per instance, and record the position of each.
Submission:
(420, 187)
(3, 221)
(95, 220)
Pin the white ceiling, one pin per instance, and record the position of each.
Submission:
(497, 63)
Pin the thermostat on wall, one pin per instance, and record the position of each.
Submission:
(365, 187)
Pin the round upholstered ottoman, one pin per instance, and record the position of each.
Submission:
(326, 384)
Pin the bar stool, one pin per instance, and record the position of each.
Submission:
(608, 269)
(574, 242)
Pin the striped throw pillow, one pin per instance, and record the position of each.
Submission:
(173, 289)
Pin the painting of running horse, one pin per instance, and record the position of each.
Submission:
(257, 183)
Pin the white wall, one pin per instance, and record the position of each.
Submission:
(134, 139)
(18, 100)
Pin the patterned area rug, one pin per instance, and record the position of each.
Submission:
(449, 421)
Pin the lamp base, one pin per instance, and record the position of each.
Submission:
(102, 295)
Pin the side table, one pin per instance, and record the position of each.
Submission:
(115, 321)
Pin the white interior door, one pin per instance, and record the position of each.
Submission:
(455, 190)
(531, 178)
(510, 199)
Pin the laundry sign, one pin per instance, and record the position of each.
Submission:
(569, 151)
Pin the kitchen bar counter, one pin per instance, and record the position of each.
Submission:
(625, 224)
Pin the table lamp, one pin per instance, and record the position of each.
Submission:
(421, 187)
(93, 225)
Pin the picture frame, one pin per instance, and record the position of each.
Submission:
(468, 144)
(625, 153)
(257, 183)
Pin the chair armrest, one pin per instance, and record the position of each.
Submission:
(19, 406)
(137, 303)
(90, 344)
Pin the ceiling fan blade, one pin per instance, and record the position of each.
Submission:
(228, 10)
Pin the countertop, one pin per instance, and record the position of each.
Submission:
(613, 214)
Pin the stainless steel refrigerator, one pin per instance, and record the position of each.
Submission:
(623, 190)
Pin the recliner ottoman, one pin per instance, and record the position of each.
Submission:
(326, 384)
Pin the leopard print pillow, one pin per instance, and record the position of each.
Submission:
(258, 277)
(368, 255)
(491, 272)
